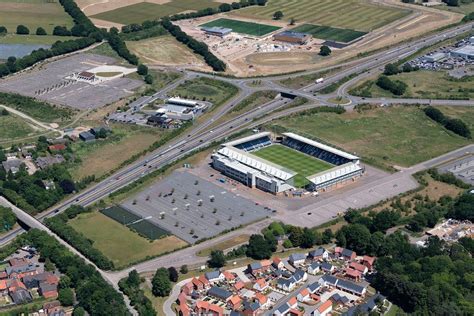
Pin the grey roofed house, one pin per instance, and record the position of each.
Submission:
(21, 296)
(212, 275)
(329, 279)
(218, 292)
(283, 309)
(347, 253)
(46, 287)
(255, 266)
(317, 252)
(298, 275)
(87, 136)
(351, 286)
(12, 165)
(315, 265)
(284, 273)
(326, 266)
(285, 282)
(367, 307)
(313, 287)
(338, 298)
(21, 269)
(251, 306)
(32, 281)
(296, 257)
(45, 162)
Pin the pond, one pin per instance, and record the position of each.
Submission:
(18, 50)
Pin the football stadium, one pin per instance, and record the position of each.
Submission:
(290, 162)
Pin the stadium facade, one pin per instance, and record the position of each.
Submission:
(235, 160)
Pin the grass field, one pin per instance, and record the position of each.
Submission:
(243, 27)
(349, 14)
(423, 84)
(32, 39)
(13, 127)
(398, 135)
(202, 88)
(100, 157)
(137, 13)
(118, 243)
(164, 50)
(232, 242)
(304, 165)
(32, 14)
(330, 33)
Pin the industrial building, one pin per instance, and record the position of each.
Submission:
(216, 31)
(432, 58)
(466, 52)
(292, 37)
(235, 160)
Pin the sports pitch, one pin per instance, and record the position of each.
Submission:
(329, 33)
(250, 28)
(304, 165)
(351, 14)
(139, 12)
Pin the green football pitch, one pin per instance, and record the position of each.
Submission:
(304, 165)
(250, 28)
(329, 33)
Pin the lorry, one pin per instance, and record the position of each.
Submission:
(320, 80)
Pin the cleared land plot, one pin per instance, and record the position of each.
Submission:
(79, 95)
(397, 135)
(423, 84)
(33, 14)
(102, 156)
(140, 12)
(134, 222)
(193, 208)
(351, 14)
(243, 27)
(329, 33)
(12, 127)
(164, 50)
(119, 243)
(296, 161)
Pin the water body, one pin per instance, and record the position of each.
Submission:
(18, 50)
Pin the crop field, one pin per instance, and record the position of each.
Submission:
(296, 161)
(243, 27)
(120, 244)
(134, 222)
(330, 33)
(350, 14)
(394, 136)
(139, 12)
(32, 14)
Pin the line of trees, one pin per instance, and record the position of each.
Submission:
(7, 219)
(58, 224)
(393, 69)
(396, 87)
(131, 287)
(93, 293)
(117, 44)
(456, 126)
(197, 47)
(83, 26)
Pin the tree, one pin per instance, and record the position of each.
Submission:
(308, 238)
(391, 69)
(357, 237)
(184, 269)
(173, 274)
(142, 70)
(287, 243)
(133, 279)
(5, 112)
(149, 79)
(161, 285)
(327, 236)
(3, 30)
(66, 297)
(216, 259)
(259, 248)
(296, 236)
(463, 208)
(40, 31)
(79, 311)
(277, 15)
(325, 51)
(67, 186)
(225, 7)
(277, 229)
(22, 30)
(292, 21)
(48, 265)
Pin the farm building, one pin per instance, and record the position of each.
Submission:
(290, 162)
(292, 37)
(216, 31)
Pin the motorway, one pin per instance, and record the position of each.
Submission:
(199, 136)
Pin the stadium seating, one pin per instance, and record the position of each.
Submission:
(315, 151)
(254, 144)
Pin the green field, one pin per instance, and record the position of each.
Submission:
(32, 14)
(207, 89)
(118, 243)
(137, 13)
(304, 165)
(422, 84)
(329, 33)
(250, 28)
(349, 14)
(13, 127)
(384, 137)
(33, 39)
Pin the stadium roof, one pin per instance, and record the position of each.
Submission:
(256, 163)
(217, 29)
(322, 146)
(247, 139)
(334, 173)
